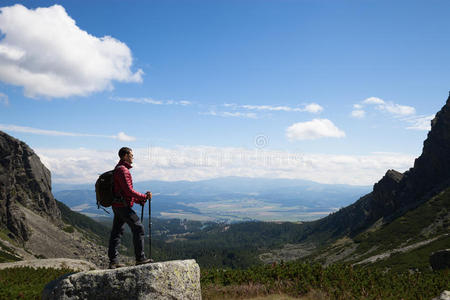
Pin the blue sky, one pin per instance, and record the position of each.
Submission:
(332, 91)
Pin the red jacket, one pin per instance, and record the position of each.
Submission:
(123, 185)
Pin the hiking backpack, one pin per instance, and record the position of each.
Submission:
(104, 189)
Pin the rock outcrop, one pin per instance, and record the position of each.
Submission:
(167, 280)
(24, 181)
(29, 214)
(445, 295)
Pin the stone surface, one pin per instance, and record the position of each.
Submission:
(440, 260)
(166, 280)
(55, 263)
(445, 295)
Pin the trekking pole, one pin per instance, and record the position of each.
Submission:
(142, 213)
(150, 227)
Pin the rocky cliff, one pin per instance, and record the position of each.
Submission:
(431, 171)
(30, 220)
(24, 182)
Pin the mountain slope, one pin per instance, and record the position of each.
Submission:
(397, 193)
(403, 243)
(31, 224)
(404, 214)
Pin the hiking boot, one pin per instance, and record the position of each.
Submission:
(113, 265)
(144, 261)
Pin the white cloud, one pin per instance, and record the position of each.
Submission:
(241, 110)
(373, 100)
(139, 100)
(11, 52)
(420, 123)
(230, 114)
(358, 113)
(390, 107)
(398, 110)
(315, 129)
(269, 107)
(4, 99)
(145, 100)
(239, 114)
(121, 136)
(201, 162)
(45, 52)
(311, 108)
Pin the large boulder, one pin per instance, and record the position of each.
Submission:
(445, 295)
(440, 260)
(165, 280)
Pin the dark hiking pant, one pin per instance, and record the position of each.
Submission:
(124, 215)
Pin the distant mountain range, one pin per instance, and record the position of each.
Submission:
(229, 198)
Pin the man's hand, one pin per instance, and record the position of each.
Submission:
(149, 195)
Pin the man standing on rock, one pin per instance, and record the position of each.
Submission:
(122, 205)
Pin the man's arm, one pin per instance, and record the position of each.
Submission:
(126, 186)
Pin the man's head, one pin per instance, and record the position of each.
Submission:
(126, 154)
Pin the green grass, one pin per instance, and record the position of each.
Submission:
(294, 279)
(7, 254)
(4, 235)
(417, 259)
(7, 257)
(337, 281)
(26, 282)
(69, 229)
(408, 226)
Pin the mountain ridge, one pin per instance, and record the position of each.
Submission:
(397, 193)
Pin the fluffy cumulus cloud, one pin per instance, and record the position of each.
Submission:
(121, 136)
(315, 129)
(200, 162)
(45, 52)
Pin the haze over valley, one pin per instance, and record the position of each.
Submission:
(228, 199)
